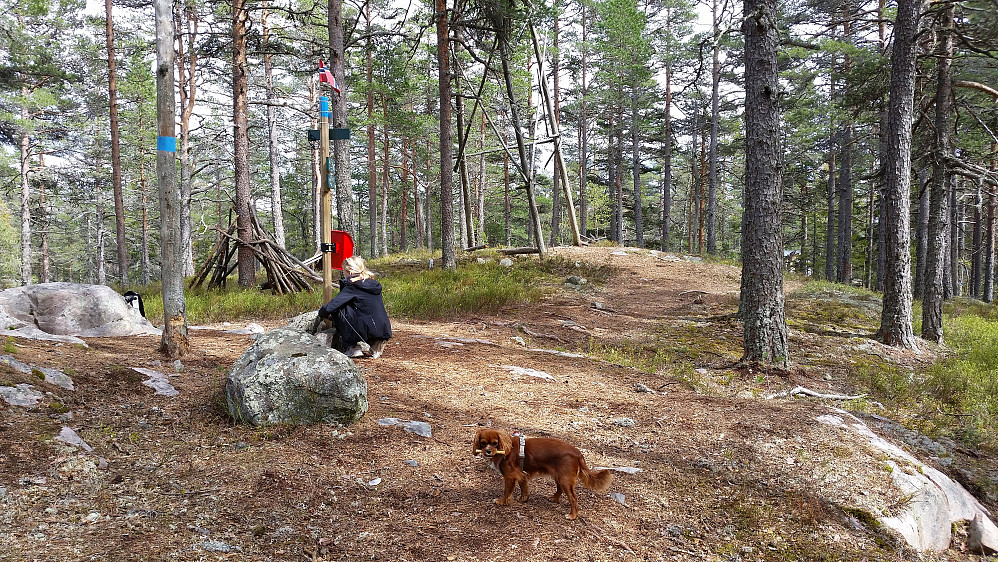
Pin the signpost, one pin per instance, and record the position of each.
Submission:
(336, 245)
(327, 206)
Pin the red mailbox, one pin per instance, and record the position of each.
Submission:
(342, 248)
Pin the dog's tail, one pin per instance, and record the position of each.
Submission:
(595, 480)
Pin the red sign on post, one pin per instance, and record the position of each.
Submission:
(342, 248)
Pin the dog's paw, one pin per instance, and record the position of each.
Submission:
(502, 501)
(571, 517)
(522, 498)
(554, 499)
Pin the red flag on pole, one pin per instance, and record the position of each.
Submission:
(327, 77)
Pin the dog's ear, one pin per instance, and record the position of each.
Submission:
(474, 443)
(505, 442)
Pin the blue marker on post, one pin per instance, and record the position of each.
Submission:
(324, 107)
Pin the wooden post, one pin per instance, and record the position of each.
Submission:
(327, 204)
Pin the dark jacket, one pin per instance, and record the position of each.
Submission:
(358, 312)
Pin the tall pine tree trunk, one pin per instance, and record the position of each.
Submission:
(186, 71)
(119, 202)
(174, 341)
(372, 167)
(240, 133)
(273, 152)
(446, 138)
(714, 125)
(896, 317)
(338, 104)
(762, 303)
(935, 261)
(24, 144)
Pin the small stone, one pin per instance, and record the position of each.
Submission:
(519, 340)
(178, 366)
(374, 483)
(624, 422)
(619, 498)
(411, 462)
(642, 388)
(506, 262)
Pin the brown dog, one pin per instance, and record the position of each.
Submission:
(553, 457)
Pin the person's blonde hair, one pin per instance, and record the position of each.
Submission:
(355, 265)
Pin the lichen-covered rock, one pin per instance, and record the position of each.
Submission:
(289, 376)
(69, 309)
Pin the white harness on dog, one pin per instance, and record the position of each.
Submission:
(523, 444)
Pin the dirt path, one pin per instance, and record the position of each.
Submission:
(721, 477)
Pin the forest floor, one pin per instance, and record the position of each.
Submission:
(725, 474)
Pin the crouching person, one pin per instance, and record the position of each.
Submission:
(358, 312)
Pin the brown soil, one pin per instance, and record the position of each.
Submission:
(724, 475)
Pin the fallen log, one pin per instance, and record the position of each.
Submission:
(515, 251)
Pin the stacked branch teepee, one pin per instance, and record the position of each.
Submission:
(285, 272)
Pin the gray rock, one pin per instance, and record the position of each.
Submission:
(624, 422)
(619, 498)
(23, 395)
(70, 309)
(157, 381)
(506, 262)
(289, 376)
(936, 501)
(576, 281)
(67, 435)
(52, 376)
(422, 429)
(982, 538)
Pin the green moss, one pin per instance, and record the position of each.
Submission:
(9, 346)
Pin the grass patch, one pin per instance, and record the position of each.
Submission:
(411, 289)
(8, 345)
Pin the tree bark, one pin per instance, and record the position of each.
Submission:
(989, 243)
(896, 316)
(921, 233)
(186, 71)
(714, 126)
(24, 145)
(174, 341)
(119, 203)
(446, 138)
(372, 168)
(765, 328)
(932, 300)
(240, 152)
(276, 206)
(338, 104)
(639, 237)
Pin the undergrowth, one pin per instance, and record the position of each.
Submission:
(956, 396)
(411, 289)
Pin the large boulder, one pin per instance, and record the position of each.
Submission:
(69, 309)
(933, 501)
(289, 376)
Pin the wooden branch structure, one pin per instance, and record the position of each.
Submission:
(285, 272)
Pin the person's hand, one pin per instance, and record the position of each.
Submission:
(323, 314)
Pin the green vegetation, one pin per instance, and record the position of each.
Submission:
(8, 345)
(957, 396)
(411, 290)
